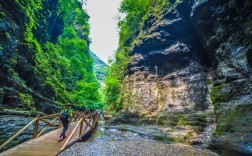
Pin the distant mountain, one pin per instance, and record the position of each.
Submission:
(99, 68)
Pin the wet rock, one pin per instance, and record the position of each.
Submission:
(125, 117)
(16, 112)
(4, 26)
(107, 117)
(11, 98)
(232, 131)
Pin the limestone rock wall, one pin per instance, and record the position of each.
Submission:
(225, 29)
(167, 72)
(196, 59)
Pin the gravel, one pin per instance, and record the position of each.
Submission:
(133, 148)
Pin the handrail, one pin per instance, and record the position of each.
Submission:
(35, 130)
(81, 131)
(86, 126)
(48, 116)
(71, 135)
(41, 132)
(87, 123)
(80, 116)
(18, 133)
(91, 115)
(52, 124)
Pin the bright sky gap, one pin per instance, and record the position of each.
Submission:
(103, 31)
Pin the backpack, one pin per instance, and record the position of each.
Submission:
(64, 115)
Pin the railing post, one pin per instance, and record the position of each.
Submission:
(35, 130)
(71, 135)
(18, 133)
(81, 128)
(96, 119)
(93, 121)
(41, 132)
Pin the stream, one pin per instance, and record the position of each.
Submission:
(11, 124)
(107, 140)
(118, 141)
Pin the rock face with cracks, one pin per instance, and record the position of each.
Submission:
(225, 30)
(193, 68)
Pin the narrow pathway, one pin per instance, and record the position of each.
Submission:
(46, 145)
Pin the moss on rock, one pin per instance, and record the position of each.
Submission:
(237, 119)
(27, 101)
(220, 93)
(147, 119)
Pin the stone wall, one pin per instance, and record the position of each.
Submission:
(225, 29)
(196, 59)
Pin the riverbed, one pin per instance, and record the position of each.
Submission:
(107, 140)
(11, 124)
(111, 141)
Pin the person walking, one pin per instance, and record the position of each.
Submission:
(65, 117)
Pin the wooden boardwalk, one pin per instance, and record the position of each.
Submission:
(48, 144)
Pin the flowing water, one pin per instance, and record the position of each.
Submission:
(11, 124)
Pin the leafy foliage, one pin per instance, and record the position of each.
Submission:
(137, 13)
(65, 68)
(131, 32)
(27, 100)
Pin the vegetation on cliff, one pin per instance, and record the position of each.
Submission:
(132, 30)
(72, 77)
(61, 68)
(99, 69)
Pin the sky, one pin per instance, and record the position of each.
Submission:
(103, 31)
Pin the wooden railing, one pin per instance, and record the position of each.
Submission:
(77, 116)
(93, 118)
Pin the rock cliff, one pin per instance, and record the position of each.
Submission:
(45, 59)
(225, 30)
(17, 57)
(192, 68)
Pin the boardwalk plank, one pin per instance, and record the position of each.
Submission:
(45, 145)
